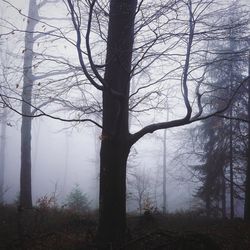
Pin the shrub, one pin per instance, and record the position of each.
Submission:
(45, 202)
(77, 201)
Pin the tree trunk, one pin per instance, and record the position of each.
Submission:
(208, 205)
(223, 194)
(231, 168)
(2, 153)
(115, 145)
(140, 204)
(164, 207)
(25, 177)
(112, 221)
(247, 193)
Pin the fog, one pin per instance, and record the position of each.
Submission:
(60, 156)
(124, 124)
(65, 154)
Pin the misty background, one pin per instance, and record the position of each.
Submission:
(66, 154)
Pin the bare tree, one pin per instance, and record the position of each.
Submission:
(28, 111)
(33, 95)
(140, 188)
(116, 139)
(28, 80)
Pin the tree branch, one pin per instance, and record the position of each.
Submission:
(78, 46)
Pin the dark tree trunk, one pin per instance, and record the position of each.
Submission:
(112, 221)
(231, 168)
(247, 193)
(25, 177)
(115, 145)
(208, 205)
(223, 194)
(231, 157)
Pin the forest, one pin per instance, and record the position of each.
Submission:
(124, 124)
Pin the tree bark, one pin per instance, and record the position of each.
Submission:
(115, 137)
(28, 79)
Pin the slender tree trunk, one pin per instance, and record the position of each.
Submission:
(115, 145)
(164, 184)
(208, 205)
(2, 153)
(66, 162)
(97, 164)
(231, 168)
(247, 193)
(231, 171)
(25, 177)
(223, 194)
(140, 204)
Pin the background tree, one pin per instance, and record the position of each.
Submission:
(139, 187)
(221, 138)
(28, 109)
(28, 81)
(3, 121)
(247, 193)
(37, 84)
(77, 201)
(212, 171)
(4, 117)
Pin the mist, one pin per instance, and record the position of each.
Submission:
(121, 118)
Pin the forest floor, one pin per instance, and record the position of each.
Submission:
(53, 229)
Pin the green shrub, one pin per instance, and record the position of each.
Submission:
(77, 201)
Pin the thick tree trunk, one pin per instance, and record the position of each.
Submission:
(247, 193)
(25, 177)
(115, 135)
(2, 153)
(112, 221)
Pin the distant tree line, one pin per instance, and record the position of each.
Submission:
(223, 139)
